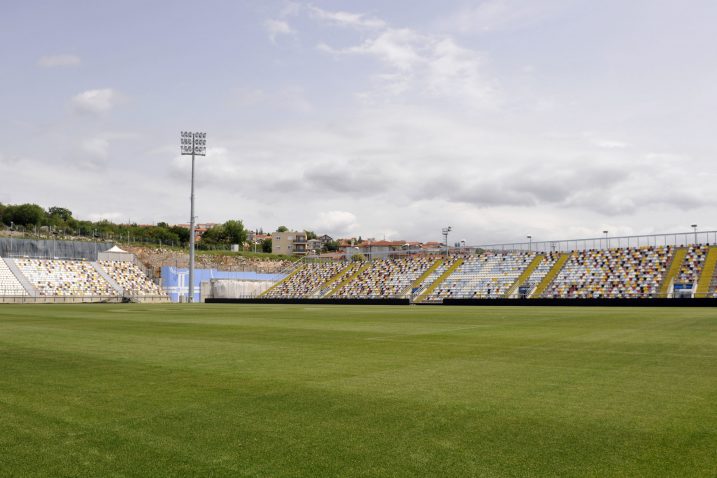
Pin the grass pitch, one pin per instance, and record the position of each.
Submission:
(229, 390)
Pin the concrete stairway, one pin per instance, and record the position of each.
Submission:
(349, 279)
(677, 259)
(550, 276)
(524, 276)
(326, 287)
(438, 281)
(29, 288)
(708, 271)
(117, 288)
(291, 274)
(417, 283)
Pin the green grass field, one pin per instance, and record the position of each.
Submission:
(245, 390)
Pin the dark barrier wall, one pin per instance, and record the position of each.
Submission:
(49, 249)
(489, 302)
(311, 301)
(661, 302)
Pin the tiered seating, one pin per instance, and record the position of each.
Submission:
(541, 271)
(9, 285)
(133, 281)
(446, 263)
(65, 278)
(308, 279)
(691, 266)
(486, 276)
(385, 278)
(614, 273)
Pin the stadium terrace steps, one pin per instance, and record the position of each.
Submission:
(525, 275)
(424, 276)
(278, 283)
(24, 282)
(550, 276)
(705, 281)
(438, 281)
(415, 285)
(677, 258)
(349, 279)
(326, 286)
(109, 280)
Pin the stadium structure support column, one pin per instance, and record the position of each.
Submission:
(194, 144)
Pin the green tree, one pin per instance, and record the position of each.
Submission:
(282, 229)
(332, 246)
(215, 235)
(234, 232)
(181, 232)
(310, 235)
(25, 215)
(266, 245)
(59, 213)
(358, 257)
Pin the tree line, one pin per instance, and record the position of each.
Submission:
(59, 221)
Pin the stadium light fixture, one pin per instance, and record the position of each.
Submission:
(194, 144)
(530, 243)
(445, 231)
(607, 241)
(694, 228)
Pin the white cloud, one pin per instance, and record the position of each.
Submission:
(97, 148)
(495, 15)
(55, 61)
(109, 216)
(291, 98)
(277, 27)
(426, 65)
(336, 223)
(347, 19)
(96, 101)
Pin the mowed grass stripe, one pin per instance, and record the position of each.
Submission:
(297, 391)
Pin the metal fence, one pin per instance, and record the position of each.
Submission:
(51, 249)
(676, 239)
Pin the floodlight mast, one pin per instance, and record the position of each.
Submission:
(194, 144)
(445, 232)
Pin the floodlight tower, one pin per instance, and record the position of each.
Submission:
(694, 228)
(194, 144)
(445, 231)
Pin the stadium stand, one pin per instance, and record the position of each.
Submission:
(691, 267)
(541, 271)
(488, 275)
(9, 284)
(386, 278)
(309, 278)
(611, 273)
(131, 279)
(53, 277)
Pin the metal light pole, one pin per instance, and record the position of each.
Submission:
(694, 228)
(530, 243)
(445, 231)
(194, 144)
(607, 241)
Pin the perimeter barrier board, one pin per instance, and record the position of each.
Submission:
(329, 301)
(587, 302)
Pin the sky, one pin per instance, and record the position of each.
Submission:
(500, 118)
